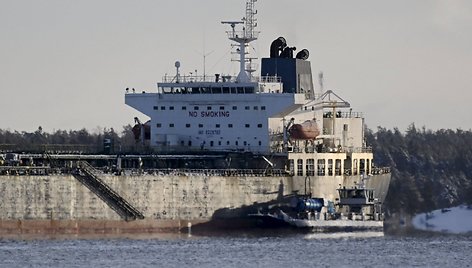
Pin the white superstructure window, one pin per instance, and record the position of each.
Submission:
(337, 167)
(263, 108)
(259, 125)
(171, 125)
(158, 125)
(321, 167)
(200, 125)
(187, 125)
(235, 107)
(300, 167)
(247, 108)
(330, 167)
(222, 107)
(171, 108)
(230, 125)
(196, 108)
(184, 108)
(217, 126)
(310, 167)
(247, 125)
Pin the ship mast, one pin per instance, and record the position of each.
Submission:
(244, 37)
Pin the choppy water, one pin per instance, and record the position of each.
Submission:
(241, 251)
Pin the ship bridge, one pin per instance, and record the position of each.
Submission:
(228, 112)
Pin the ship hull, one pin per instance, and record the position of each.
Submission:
(169, 203)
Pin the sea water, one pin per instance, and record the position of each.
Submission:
(242, 251)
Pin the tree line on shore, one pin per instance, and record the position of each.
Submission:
(94, 141)
(430, 169)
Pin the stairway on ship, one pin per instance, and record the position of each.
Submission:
(86, 175)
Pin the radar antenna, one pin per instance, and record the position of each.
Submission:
(244, 37)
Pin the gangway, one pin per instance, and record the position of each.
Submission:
(86, 175)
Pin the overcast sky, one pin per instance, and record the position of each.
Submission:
(65, 64)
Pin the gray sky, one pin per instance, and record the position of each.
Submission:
(64, 64)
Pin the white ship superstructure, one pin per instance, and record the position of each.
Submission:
(221, 112)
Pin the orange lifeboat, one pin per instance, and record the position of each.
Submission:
(307, 130)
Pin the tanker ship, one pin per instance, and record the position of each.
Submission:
(217, 150)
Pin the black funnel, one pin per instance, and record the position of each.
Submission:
(288, 52)
(303, 54)
(277, 45)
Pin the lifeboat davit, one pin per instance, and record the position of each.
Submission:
(307, 130)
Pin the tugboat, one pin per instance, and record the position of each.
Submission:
(356, 210)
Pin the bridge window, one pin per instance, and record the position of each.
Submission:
(256, 108)
(184, 108)
(235, 107)
(222, 107)
(163, 108)
(171, 125)
(259, 125)
(187, 125)
(321, 167)
(217, 125)
(230, 125)
(171, 108)
(158, 125)
(300, 167)
(156, 108)
(247, 126)
(209, 108)
(200, 125)
(246, 108)
(263, 108)
(310, 167)
(196, 108)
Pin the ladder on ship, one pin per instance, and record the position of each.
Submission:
(86, 175)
